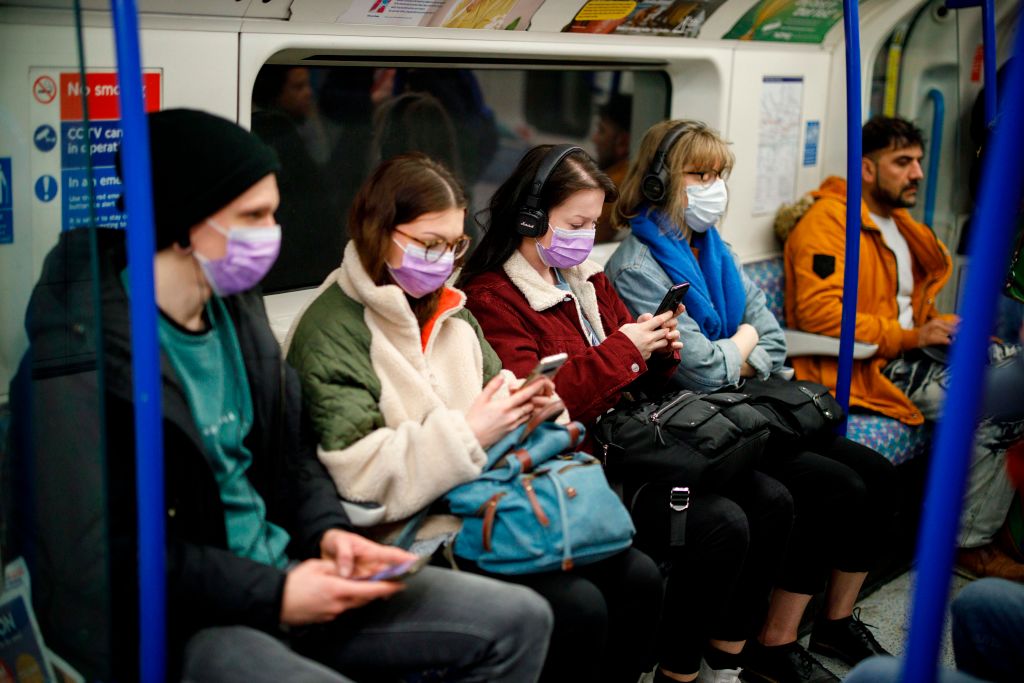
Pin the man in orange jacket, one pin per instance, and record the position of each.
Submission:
(902, 268)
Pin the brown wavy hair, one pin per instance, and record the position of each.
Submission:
(399, 191)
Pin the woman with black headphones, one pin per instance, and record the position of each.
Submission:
(533, 291)
(844, 493)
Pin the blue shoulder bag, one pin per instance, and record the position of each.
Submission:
(537, 507)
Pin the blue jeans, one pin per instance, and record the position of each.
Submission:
(444, 626)
(988, 630)
(887, 670)
(988, 638)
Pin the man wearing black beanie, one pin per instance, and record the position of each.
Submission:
(267, 581)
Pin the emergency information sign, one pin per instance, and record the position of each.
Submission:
(74, 165)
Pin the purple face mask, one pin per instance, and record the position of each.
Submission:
(250, 254)
(418, 276)
(568, 247)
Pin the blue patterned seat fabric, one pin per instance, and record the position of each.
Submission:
(770, 276)
(893, 439)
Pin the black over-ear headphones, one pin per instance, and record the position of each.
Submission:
(533, 220)
(654, 185)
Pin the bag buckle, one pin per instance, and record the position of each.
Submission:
(816, 400)
(679, 498)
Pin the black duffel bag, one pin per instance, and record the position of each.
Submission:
(795, 409)
(700, 440)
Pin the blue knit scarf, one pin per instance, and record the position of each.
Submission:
(716, 300)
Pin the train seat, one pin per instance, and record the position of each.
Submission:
(893, 439)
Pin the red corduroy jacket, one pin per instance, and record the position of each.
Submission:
(525, 318)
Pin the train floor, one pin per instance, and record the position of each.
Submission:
(887, 610)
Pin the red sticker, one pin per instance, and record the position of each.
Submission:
(44, 90)
(977, 64)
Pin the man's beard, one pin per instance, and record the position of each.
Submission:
(896, 200)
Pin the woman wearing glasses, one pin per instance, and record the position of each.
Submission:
(539, 295)
(406, 396)
(844, 494)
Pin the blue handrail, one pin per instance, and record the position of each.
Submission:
(851, 26)
(1001, 181)
(149, 475)
(934, 152)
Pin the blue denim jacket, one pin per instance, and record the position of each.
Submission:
(705, 365)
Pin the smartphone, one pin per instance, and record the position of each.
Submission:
(547, 367)
(400, 571)
(673, 297)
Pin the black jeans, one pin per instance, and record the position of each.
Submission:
(606, 616)
(719, 581)
(845, 496)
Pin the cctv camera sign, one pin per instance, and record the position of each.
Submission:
(77, 135)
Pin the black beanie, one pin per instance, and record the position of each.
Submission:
(200, 164)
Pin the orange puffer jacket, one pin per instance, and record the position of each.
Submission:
(815, 254)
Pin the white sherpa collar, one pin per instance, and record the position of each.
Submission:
(542, 295)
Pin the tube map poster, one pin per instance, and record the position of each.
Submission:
(788, 21)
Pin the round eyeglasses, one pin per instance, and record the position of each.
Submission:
(705, 177)
(434, 249)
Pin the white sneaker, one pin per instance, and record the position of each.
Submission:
(709, 675)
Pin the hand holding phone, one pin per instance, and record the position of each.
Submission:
(673, 297)
(547, 367)
(400, 571)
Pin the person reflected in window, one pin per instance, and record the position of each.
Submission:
(285, 117)
(611, 144)
(415, 122)
(459, 93)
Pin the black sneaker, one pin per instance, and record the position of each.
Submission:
(847, 639)
(783, 664)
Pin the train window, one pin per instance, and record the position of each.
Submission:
(331, 124)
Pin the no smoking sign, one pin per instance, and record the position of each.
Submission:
(44, 90)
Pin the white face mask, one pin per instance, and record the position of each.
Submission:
(705, 205)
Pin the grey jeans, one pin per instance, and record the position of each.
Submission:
(989, 490)
(446, 626)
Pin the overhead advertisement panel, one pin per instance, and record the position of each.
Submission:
(647, 17)
(508, 15)
(788, 21)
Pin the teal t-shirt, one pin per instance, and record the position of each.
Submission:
(212, 373)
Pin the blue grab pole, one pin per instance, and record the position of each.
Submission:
(935, 151)
(149, 475)
(998, 203)
(851, 26)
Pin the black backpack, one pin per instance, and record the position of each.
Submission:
(701, 441)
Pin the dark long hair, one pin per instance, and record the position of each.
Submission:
(576, 172)
(399, 191)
